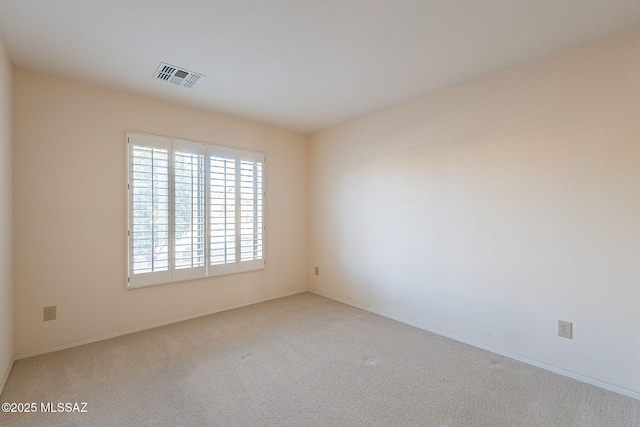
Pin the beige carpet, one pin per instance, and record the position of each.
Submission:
(301, 361)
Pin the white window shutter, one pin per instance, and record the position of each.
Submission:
(149, 252)
(189, 207)
(251, 213)
(195, 210)
(222, 202)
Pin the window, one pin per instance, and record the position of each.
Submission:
(195, 210)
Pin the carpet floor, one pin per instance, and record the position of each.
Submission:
(302, 360)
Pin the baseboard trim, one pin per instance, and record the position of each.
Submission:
(142, 328)
(6, 374)
(532, 362)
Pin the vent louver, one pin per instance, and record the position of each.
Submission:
(178, 76)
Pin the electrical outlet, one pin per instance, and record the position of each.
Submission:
(565, 329)
(50, 313)
(317, 271)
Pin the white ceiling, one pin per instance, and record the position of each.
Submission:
(302, 65)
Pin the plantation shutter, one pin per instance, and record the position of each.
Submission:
(251, 211)
(222, 202)
(195, 210)
(149, 210)
(189, 208)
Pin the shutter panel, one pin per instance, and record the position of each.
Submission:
(188, 210)
(149, 252)
(251, 214)
(222, 202)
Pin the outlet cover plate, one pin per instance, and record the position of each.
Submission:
(50, 313)
(565, 329)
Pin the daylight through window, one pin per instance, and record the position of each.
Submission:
(195, 210)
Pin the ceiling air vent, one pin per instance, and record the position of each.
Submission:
(178, 76)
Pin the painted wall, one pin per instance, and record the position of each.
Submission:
(6, 285)
(494, 209)
(70, 212)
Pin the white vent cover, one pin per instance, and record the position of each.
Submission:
(178, 76)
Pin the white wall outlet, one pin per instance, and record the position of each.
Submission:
(565, 329)
(317, 271)
(50, 313)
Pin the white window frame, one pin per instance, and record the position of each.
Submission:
(237, 265)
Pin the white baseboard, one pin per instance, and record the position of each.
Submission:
(535, 363)
(6, 374)
(142, 328)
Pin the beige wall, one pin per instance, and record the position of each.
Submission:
(6, 286)
(70, 215)
(494, 209)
